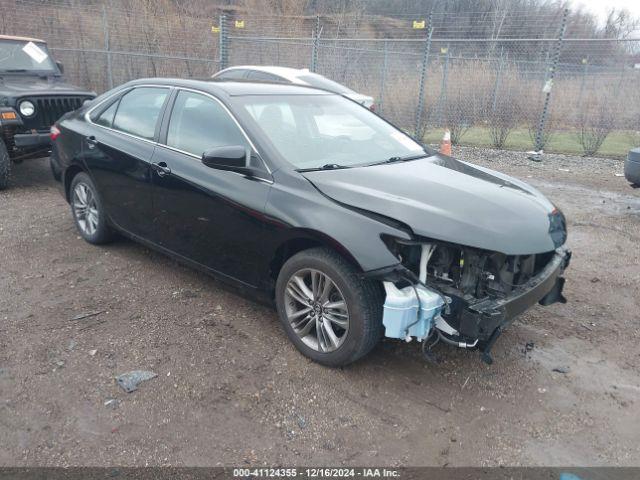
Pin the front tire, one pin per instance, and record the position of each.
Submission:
(88, 210)
(5, 166)
(329, 312)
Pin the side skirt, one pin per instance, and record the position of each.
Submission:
(243, 287)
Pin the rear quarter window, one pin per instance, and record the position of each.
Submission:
(265, 77)
(232, 75)
(106, 117)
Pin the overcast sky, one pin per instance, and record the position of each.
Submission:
(601, 7)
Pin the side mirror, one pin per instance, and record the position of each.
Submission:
(233, 158)
(60, 66)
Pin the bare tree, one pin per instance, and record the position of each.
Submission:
(595, 121)
(503, 117)
(620, 24)
(460, 113)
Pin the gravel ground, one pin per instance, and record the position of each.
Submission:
(232, 390)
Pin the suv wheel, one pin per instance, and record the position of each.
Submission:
(5, 166)
(88, 212)
(329, 312)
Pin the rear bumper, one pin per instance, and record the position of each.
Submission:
(482, 319)
(30, 141)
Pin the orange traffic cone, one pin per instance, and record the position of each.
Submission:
(445, 145)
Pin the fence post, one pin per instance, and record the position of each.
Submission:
(383, 77)
(539, 143)
(314, 48)
(105, 28)
(419, 132)
(443, 87)
(224, 43)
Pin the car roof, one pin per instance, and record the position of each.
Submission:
(232, 88)
(285, 72)
(21, 39)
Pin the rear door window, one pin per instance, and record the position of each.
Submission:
(139, 110)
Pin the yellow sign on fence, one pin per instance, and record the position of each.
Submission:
(215, 29)
(239, 23)
(419, 25)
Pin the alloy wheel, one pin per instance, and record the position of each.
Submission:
(316, 310)
(85, 208)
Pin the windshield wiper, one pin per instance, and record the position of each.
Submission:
(406, 158)
(328, 166)
(15, 70)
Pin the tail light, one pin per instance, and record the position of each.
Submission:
(54, 132)
(372, 107)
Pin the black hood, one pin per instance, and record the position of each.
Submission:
(449, 200)
(12, 85)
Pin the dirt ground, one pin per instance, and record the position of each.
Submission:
(232, 390)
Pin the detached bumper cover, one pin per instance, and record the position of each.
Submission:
(482, 318)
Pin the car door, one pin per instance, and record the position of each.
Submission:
(118, 155)
(212, 217)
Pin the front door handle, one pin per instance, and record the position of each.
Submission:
(91, 142)
(161, 169)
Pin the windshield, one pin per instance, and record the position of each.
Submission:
(313, 131)
(319, 81)
(25, 56)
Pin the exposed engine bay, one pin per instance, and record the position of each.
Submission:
(465, 296)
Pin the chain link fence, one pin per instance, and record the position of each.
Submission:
(472, 73)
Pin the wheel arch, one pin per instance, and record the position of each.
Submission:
(69, 173)
(302, 239)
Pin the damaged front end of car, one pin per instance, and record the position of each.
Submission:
(465, 296)
(474, 248)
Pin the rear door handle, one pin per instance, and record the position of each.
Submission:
(161, 169)
(91, 141)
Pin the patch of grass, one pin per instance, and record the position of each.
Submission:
(617, 144)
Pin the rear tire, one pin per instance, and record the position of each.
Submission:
(88, 210)
(5, 166)
(340, 342)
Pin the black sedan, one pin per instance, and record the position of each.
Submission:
(307, 199)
